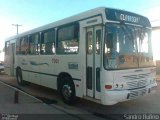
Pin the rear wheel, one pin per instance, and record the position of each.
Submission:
(67, 90)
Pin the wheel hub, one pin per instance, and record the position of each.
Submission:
(66, 91)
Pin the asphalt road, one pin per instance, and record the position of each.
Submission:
(145, 105)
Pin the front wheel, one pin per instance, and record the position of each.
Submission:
(68, 91)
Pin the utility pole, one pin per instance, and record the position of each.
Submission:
(17, 25)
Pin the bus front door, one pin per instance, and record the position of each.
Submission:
(93, 49)
(12, 59)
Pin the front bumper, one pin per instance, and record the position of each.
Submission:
(115, 96)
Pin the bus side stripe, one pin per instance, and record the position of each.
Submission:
(49, 74)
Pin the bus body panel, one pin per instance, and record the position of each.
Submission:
(9, 60)
(90, 77)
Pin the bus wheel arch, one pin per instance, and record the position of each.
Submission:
(66, 88)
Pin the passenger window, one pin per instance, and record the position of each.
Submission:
(18, 46)
(24, 45)
(68, 39)
(48, 42)
(34, 44)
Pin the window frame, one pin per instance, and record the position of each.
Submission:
(20, 45)
(76, 36)
(37, 45)
(42, 40)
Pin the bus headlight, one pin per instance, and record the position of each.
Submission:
(119, 86)
(116, 85)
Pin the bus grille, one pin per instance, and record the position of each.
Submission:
(134, 94)
(137, 84)
(133, 77)
(136, 81)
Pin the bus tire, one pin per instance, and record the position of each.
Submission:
(19, 77)
(67, 90)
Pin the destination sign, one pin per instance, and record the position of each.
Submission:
(127, 17)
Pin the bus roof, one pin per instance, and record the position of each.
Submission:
(111, 12)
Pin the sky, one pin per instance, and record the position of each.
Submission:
(34, 13)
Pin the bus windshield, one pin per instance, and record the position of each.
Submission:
(127, 46)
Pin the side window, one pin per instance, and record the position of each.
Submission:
(48, 42)
(98, 41)
(24, 45)
(89, 42)
(7, 44)
(68, 39)
(18, 46)
(34, 44)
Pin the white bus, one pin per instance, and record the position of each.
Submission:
(103, 55)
